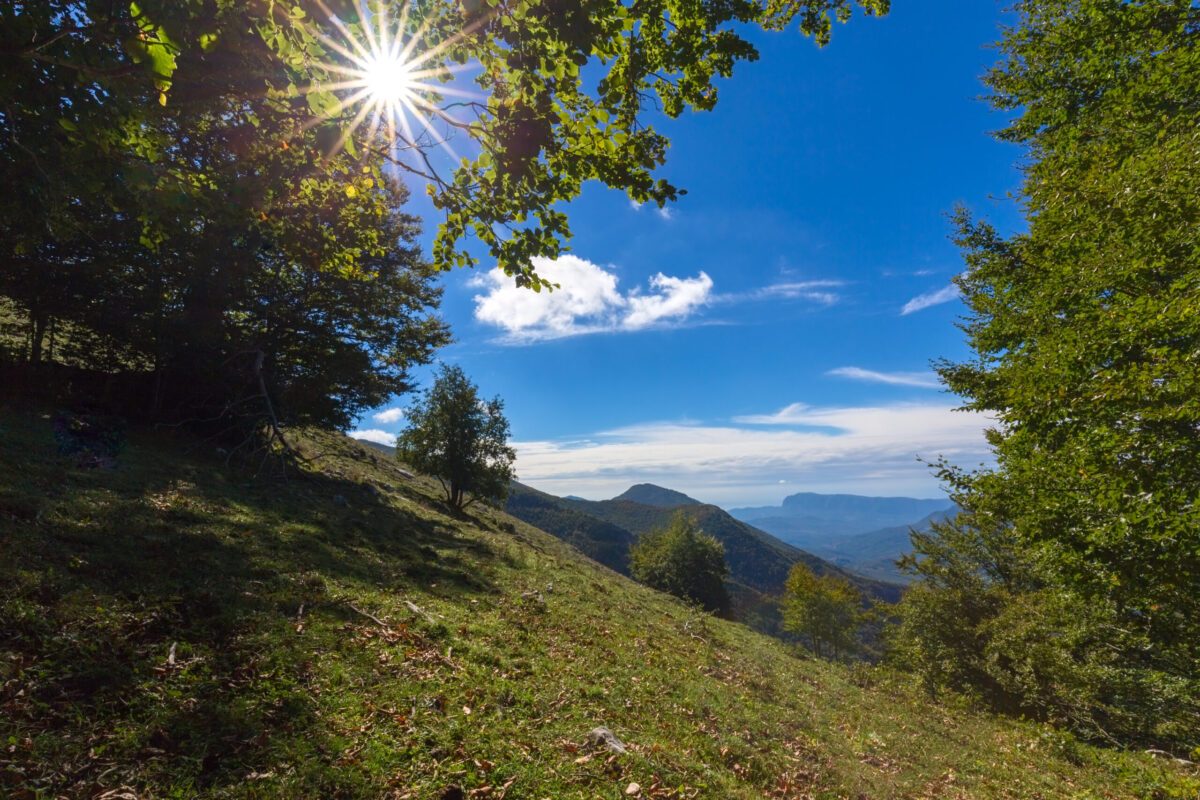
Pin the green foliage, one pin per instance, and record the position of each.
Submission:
(564, 89)
(210, 239)
(460, 439)
(684, 561)
(826, 610)
(1084, 332)
(983, 619)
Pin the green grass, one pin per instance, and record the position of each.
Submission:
(283, 686)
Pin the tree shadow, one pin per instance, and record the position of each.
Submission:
(150, 614)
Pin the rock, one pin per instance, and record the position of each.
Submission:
(405, 473)
(602, 736)
(633, 789)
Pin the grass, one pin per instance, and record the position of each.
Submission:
(171, 629)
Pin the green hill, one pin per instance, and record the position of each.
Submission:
(599, 540)
(650, 495)
(756, 559)
(170, 628)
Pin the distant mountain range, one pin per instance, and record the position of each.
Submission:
(851, 535)
(862, 534)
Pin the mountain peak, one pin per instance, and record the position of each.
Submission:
(650, 495)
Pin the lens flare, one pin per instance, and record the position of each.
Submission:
(387, 78)
(389, 82)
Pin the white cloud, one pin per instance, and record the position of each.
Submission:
(866, 450)
(923, 301)
(666, 212)
(389, 416)
(922, 380)
(635, 205)
(670, 298)
(816, 291)
(588, 301)
(374, 435)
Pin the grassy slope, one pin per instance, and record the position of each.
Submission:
(282, 686)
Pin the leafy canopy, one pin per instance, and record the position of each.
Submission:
(826, 610)
(560, 93)
(460, 439)
(684, 561)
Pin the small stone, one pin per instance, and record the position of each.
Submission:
(633, 789)
(603, 736)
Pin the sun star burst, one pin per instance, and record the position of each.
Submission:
(388, 82)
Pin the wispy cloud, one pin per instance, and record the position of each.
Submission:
(866, 449)
(666, 212)
(815, 291)
(923, 301)
(389, 416)
(921, 380)
(374, 435)
(588, 301)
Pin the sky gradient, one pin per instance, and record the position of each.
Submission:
(772, 332)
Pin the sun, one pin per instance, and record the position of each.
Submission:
(387, 78)
(387, 81)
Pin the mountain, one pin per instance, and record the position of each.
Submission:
(597, 539)
(172, 627)
(811, 520)
(650, 495)
(862, 534)
(874, 554)
(756, 559)
(758, 562)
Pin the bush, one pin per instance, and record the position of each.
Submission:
(983, 621)
(684, 561)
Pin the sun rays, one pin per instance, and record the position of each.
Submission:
(388, 81)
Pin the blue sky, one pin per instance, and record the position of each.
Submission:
(771, 332)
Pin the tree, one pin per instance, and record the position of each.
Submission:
(824, 609)
(682, 560)
(1085, 328)
(195, 231)
(559, 98)
(460, 439)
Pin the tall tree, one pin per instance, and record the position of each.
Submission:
(1085, 329)
(460, 439)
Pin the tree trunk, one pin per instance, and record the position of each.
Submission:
(38, 323)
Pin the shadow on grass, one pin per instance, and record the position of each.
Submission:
(160, 621)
